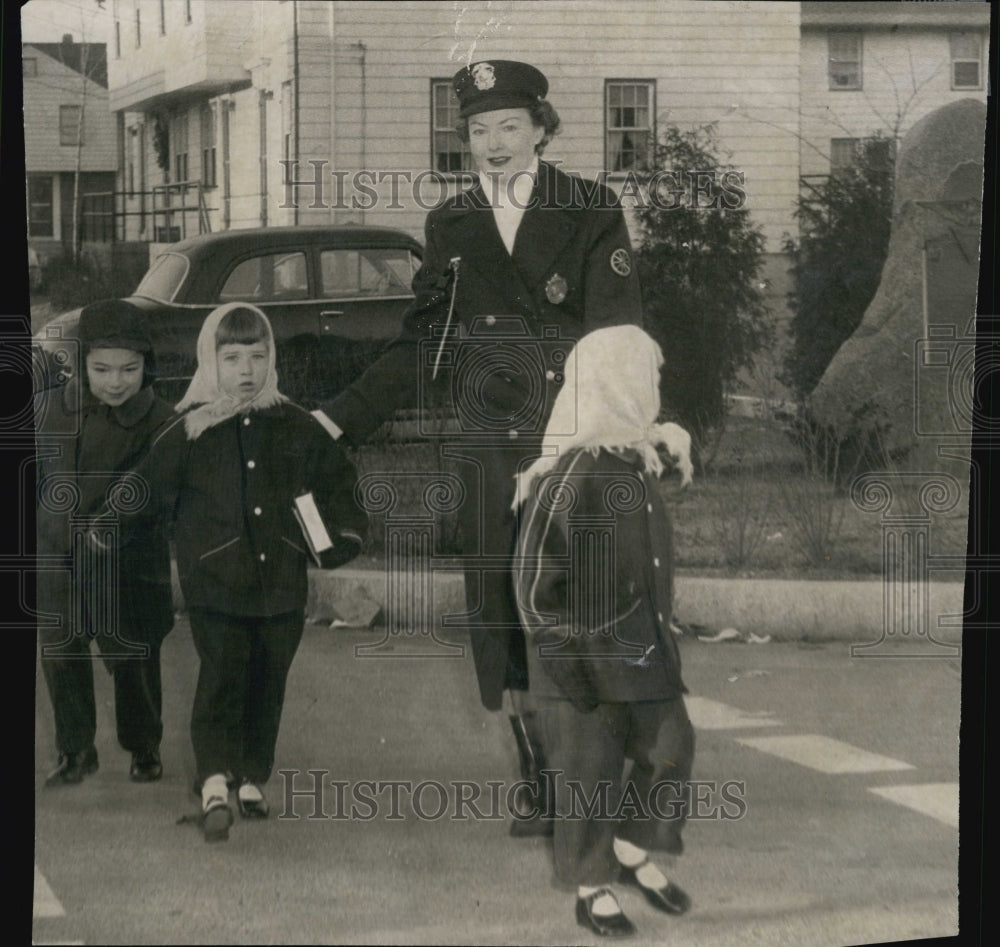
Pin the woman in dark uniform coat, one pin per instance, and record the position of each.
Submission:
(516, 268)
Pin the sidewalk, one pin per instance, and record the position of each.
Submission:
(785, 609)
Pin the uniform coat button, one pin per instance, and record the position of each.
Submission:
(251, 464)
(262, 557)
(256, 511)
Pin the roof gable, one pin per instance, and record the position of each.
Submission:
(75, 55)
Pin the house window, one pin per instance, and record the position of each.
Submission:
(208, 145)
(449, 154)
(966, 56)
(845, 152)
(163, 17)
(70, 131)
(179, 139)
(129, 163)
(133, 159)
(287, 127)
(29, 67)
(40, 222)
(844, 60)
(628, 124)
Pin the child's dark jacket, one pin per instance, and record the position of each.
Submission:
(231, 493)
(83, 446)
(594, 583)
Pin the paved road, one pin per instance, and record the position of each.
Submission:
(843, 771)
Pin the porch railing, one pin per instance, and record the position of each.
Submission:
(164, 214)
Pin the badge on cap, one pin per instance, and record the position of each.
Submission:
(620, 262)
(556, 289)
(482, 75)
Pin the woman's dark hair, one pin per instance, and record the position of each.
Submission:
(241, 326)
(543, 115)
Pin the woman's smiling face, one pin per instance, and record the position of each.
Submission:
(504, 140)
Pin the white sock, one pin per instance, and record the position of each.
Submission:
(214, 786)
(250, 792)
(629, 855)
(649, 876)
(605, 905)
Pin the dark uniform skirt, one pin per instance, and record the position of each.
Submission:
(488, 525)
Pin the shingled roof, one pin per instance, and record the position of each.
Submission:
(72, 55)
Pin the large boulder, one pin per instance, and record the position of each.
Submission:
(883, 378)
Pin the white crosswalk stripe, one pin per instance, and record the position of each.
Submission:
(826, 755)
(708, 714)
(45, 904)
(938, 800)
(823, 754)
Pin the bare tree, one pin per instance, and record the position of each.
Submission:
(87, 70)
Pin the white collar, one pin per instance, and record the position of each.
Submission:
(494, 187)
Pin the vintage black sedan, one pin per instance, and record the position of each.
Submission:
(335, 296)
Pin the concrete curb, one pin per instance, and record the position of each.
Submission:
(785, 609)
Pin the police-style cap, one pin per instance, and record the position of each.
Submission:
(498, 84)
(114, 324)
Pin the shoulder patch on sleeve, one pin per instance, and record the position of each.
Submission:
(621, 262)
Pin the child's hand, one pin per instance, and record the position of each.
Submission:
(678, 444)
(347, 545)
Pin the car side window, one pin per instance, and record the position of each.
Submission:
(270, 277)
(385, 271)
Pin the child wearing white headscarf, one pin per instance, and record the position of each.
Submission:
(205, 403)
(593, 580)
(229, 472)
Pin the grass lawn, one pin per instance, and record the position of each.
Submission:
(753, 512)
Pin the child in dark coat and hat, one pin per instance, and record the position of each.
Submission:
(594, 586)
(90, 431)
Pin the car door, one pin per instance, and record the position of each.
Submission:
(364, 291)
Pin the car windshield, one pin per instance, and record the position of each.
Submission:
(164, 277)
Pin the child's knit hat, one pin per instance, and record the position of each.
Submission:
(114, 324)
